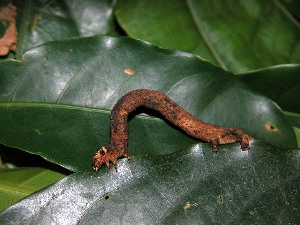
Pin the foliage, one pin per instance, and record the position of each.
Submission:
(55, 101)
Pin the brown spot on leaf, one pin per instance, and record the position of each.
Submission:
(129, 72)
(271, 127)
(36, 17)
(221, 198)
(9, 40)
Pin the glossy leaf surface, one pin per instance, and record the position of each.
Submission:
(41, 21)
(294, 119)
(281, 83)
(239, 37)
(57, 101)
(259, 186)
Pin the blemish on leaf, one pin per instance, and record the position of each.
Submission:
(34, 22)
(38, 131)
(271, 127)
(187, 206)
(88, 195)
(106, 197)
(129, 72)
(192, 177)
(221, 198)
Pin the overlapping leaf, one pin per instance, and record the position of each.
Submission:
(259, 186)
(280, 83)
(239, 36)
(43, 21)
(57, 101)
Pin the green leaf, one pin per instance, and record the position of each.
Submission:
(43, 21)
(295, 121)
(92, 17)
(56, 102)
(294, 118)
(259, 186)
(297, 133)
(280, 83)
(3, 28)
(18, 183)
(239, 37)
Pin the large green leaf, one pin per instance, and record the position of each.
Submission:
(294, 118)
(295, 121)
(281, 83)
(193, 186)
(239, 36)
(17, 183)
(297, 133)
(42, 21)
(57, 101)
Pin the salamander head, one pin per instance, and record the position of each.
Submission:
(104, 156)
(101, 157)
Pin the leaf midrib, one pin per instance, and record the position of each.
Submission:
(16, 188)
(70, 107)
(202, 34)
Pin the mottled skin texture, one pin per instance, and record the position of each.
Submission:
(118, 145)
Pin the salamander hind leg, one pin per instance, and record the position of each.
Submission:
(243, 138)
(244, 141)
(231, 135)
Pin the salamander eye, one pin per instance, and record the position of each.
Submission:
(102, 152)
